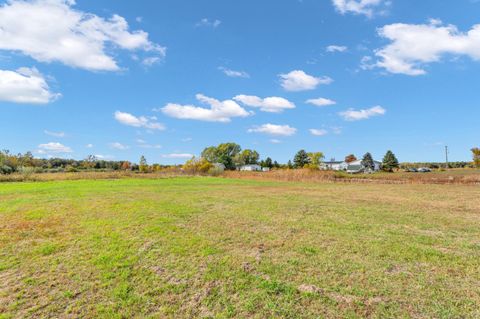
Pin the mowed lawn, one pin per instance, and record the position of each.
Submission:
(221, 248)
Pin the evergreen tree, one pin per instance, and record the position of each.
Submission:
(368, 163)
(389, 162)
(301, 159)
(289, 164)
(268, 162)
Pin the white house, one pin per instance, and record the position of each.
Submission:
(251, 168)
(357, 167)
(334, 166)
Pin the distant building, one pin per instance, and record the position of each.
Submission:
(334, 166)
(356, 167)
(265, 169)
(251, 168)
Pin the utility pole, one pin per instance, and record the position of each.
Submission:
(446, 157)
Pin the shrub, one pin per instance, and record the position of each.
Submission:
(70, 169)
(26, 171)
(5, 169)
(197, 166)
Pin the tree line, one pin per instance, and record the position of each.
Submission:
(230, 155)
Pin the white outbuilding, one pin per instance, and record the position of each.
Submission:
(251, 168)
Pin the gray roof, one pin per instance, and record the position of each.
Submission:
(355, 167)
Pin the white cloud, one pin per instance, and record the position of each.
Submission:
(151, 60)
(219, 111)
(52, 30)
(273, 129)
(275, 141)
(318, 132)
(209, 23)
(119, 146)
(25, 86)
(53, 147)
(178, 155)
(336, 48)
(356, 115)
(272, 104)
(233, 73)
(142, 121)
(89, 146)
(55, 134)
(321, 102)
(414, 45)
(365, 7)
(187, 139)
(300, 81)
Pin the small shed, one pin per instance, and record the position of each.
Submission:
(251, 168)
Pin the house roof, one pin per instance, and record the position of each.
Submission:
(355, 167)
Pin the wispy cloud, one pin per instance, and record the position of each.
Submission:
(178, 155)
(205, 22)
(336, 48)
(143, 144)
(119, 146)
(142, 121)
(273, 129)
(54, 134)
(318, 132)
(321, 102)
(234, 73)
(368, 8)
(357, 115)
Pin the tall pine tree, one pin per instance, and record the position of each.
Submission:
(390, 162)
(301, 159)
(367, 162)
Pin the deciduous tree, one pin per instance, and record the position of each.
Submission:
(476, 156)
(350, 158)
(143, 165)
(315, 159)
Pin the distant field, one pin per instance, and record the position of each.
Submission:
(452, 176)
(229, 248)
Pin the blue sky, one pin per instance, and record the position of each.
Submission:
(167, 78)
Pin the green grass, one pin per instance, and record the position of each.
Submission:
(225, 248)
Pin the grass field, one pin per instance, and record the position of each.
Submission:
(219, 248)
